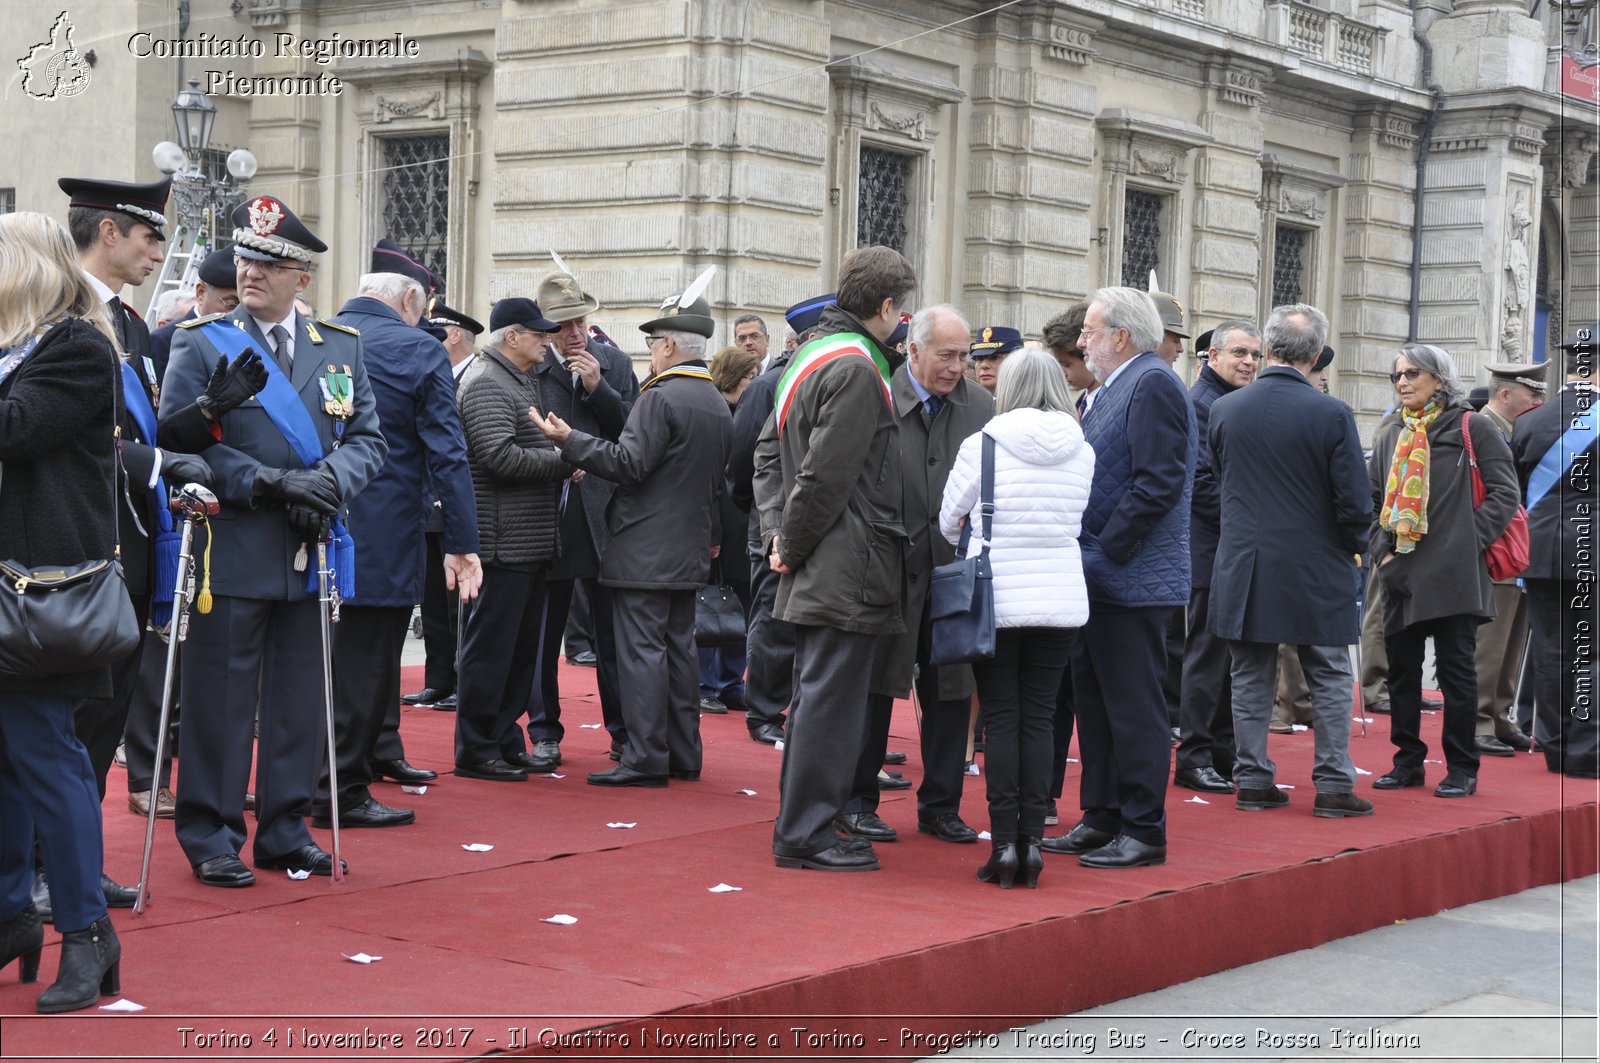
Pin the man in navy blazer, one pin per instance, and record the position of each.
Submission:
(1296, 506)
(1135, 545)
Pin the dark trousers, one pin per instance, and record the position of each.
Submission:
(1563, 658)
(367, 643)
(144, 715)
(1172, 677)
(244, 655)
(1454, 644)
(499, 659)
(101, 721)
(1065, 717)
(579, 634)
(1018, 688)
(864, 782)
(1124, 739)
(827, 729)
(439, 608)
(544, 697)
(656, 663)
(769, 648)
(47, 790)
(1205, 715)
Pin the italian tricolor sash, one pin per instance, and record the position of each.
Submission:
(818, 353)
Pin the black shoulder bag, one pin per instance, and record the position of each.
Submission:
(961, 594)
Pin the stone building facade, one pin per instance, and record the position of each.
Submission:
(1249, 152)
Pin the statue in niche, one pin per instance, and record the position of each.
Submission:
(1519, 274)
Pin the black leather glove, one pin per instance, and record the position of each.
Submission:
(309, 524)
(179, 469)
(232, 384)
(314, 487)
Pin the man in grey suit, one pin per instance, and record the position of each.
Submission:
(590, 385)
(292, 457)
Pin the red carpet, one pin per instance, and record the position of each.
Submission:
(894, 959)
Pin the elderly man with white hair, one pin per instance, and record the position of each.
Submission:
(416, 401)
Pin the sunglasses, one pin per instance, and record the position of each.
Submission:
(1410, 374)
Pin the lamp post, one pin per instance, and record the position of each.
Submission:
(201, 198)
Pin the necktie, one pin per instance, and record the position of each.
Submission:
(118, 322)
(279, 338)
(932, 406)
(1083, 405)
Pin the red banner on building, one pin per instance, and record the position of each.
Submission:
(1579, 81)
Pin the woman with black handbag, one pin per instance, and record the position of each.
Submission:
(58, 370)
(1042, 469)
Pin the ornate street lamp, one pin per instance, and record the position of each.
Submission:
(201, 198)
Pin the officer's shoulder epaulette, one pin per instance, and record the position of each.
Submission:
(336, 325)
(192, 322)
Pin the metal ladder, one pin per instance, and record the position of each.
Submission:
(181, 268)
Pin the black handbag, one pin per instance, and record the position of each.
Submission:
(718, 613)
(961, 594)
(62, 619)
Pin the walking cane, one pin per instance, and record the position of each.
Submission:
(1361, 615)
(1522, 673)
(194, 504)
(326, 609)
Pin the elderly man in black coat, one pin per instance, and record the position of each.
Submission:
(668, 467)
(1296, 507)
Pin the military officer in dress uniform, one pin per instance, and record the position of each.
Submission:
(288, 462)
(668, 467)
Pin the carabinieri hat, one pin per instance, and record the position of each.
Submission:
(388, 258)
(1583, 338)
(144, 202)
(524, 313)
(805, 314)
(443, 316)
(266, 230)
(995, 340)
(216, 270)
(1530, 375)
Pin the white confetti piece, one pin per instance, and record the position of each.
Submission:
(1300, 726)
(1072, 760)
(1197, 801)
(590, 726)
(1362, 771)
(414, 789)
(1286, 786)
(972, 769)
(985, 836)
(723, 887)
(122, 1005)
(622, 826)
(1433, 762)
(477, 847)
(778, 745)
(560, 920)
(299, 876)
(361, 957)
(549, 775)
(1361, 719)
(747, 793)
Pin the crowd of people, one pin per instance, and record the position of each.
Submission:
(1158, 548)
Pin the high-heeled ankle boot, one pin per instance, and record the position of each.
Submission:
(89, 968)
(1030, 861)
(1002, 865)
(23, 936)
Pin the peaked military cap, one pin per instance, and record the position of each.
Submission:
(524, 313)
(144, 202)
(266, 230)
(1583, 338)
(995, 340)
(1529, 374)
(443, 317)
(805, 314)
(388, 258)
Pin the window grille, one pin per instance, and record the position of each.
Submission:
(8, 200)
(416, 197)
(883, 198)
(1289, 265)
(1141, 237)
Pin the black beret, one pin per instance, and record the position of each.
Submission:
(217, 270)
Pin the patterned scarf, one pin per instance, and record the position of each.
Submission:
(1405, 496)
(11, 357)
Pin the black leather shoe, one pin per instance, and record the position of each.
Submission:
(41, 897)
(369, 813)
(1457, 784)
(492, 770)
(533, 765)
(734, 702)
(117, 896)
(1338, 806)
(1490, 746)
(401, 772)
(1399, 779)
(1123, 851)
(1002, 866)
(1205, 780)
(769, 733)
(1080, 839)
(1518, 741)
(227, 871)
(425, 696)
(1251, 799)
(866, 825)
(446, 704)
(947, 828)
(713, 707)
(622, 775)
(309, 857)
(1433, 701)
(888, 780)
(894, 757)
(840, 857)
(584, 659)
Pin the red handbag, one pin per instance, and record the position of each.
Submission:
(1507, 556)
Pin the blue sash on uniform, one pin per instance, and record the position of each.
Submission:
(166, 539)
(1562, 453)
(291, 417)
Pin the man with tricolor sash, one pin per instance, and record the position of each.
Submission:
(1557, 451)
(828, 485)
(288, 462)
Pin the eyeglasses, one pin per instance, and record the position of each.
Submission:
(1102, 328)
(1410, 374)
(1241, 352)
(649, 341)
(269, 268)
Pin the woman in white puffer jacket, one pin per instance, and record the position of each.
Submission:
(1042, 472)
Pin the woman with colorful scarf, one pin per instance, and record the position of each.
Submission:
(1428, 544)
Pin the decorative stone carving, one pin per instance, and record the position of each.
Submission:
(1242, 87)
(1460, 142)
(1149, 145)
(1515, 300)
(1070, 45)
(1156, 163)
(1527, 139)
(878, 99)
(263, 14)
(1300, 201)
(1574, 161)
(1397, 132)
(913, 124)
(408, 105)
